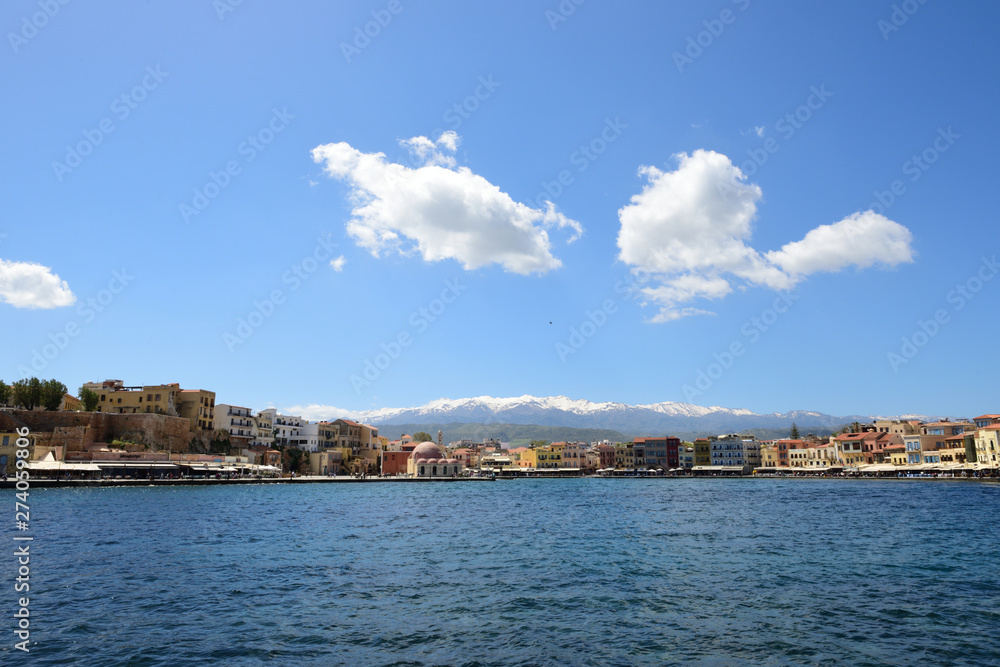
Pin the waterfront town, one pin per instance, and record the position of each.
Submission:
(113, 431)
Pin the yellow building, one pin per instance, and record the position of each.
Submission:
(195, 405)
(896, 454)
(326, 463)
(625, 456)
(71, 403)
(769, 455)
(8, 451)
(548, 457)
(539, 458)
(987, 449)
(703, 452)
(528, 459)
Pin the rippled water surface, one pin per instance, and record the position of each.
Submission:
(522, 572)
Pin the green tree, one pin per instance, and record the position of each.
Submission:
(535, 444)
(794, 435)
(855, 427)
(89, 399)
(27, 394)
(220, 442)
(422, 436)
(5, 392)
(51, 394)
(291, 458)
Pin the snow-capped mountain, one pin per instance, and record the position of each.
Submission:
(653, 418)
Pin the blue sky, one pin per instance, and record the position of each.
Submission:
(194, 194)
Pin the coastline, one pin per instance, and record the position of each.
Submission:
(39, 483)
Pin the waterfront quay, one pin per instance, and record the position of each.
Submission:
(41, 482)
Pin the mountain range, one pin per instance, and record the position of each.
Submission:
(651, 419)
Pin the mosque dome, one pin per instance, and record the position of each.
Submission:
(426, 450)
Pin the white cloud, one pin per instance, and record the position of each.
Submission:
(441, 210)
(315, 412)
(28, 285)
(691, 229)
(338, 264)
(861, 240)
(759, 130)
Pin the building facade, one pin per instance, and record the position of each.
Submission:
(735, 450)
(195, 405)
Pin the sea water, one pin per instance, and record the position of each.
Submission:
(519, 572)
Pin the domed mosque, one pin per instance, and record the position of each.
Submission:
(428, 460)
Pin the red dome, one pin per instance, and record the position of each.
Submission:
(425, 451)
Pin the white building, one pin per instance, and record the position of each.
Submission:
(308, 438)
(286, 429)
(262, 430)
(685, 457)
(735, 450)
(235, 420)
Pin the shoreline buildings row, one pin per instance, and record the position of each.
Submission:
(164, 429)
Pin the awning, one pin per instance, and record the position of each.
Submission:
(134, 464)
(63, 467)
(880, 467)
(717, 469)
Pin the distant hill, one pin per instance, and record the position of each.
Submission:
(669, 418)
(521, 434)
(516, 434)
